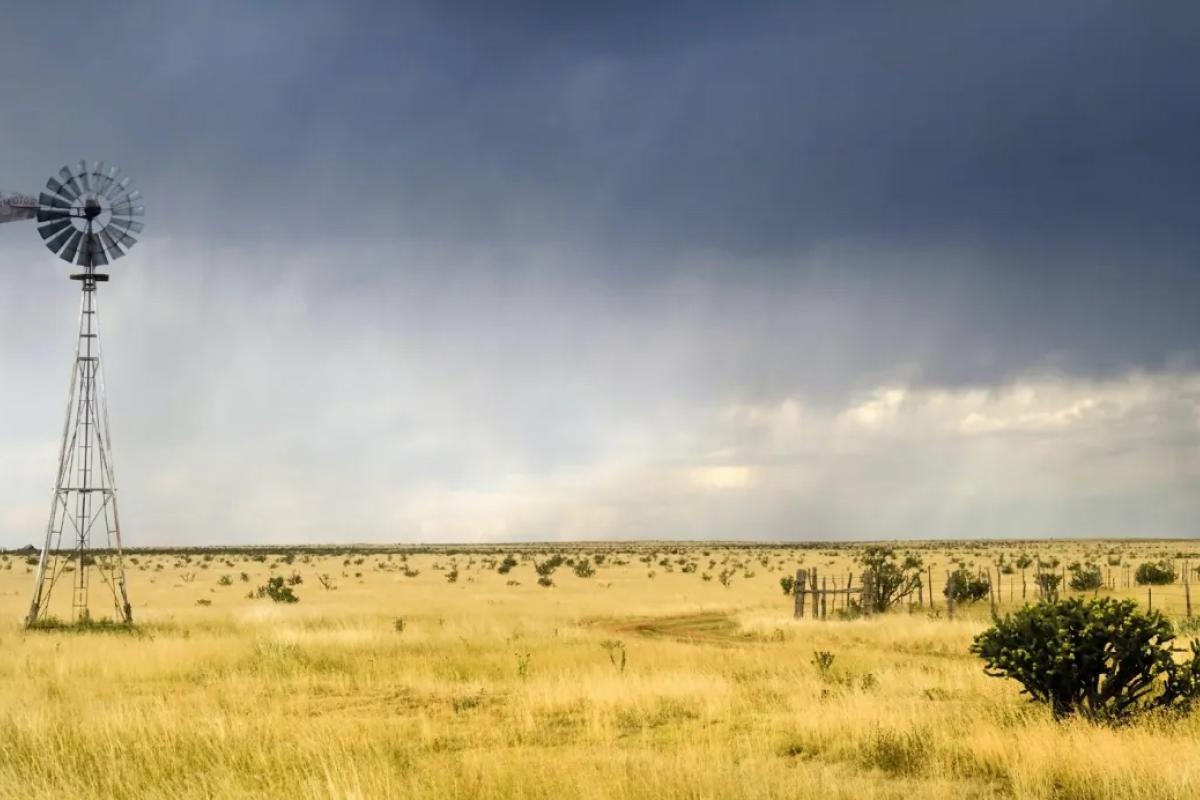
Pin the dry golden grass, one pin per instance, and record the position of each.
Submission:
(495, 690)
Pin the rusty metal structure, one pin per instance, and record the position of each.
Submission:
(87, 216)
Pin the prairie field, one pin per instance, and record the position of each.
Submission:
(673, 671)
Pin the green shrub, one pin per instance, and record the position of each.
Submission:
(275, 589)
(584, 569)
(1048, 582)
(1155, 573)
(788, 584)
(1102, 659)
(889, 581)
(963, 587)
(1086, 577)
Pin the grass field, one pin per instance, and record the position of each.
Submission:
(641, 681)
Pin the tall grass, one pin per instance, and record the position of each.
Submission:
(498, 691)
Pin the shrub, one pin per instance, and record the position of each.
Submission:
(275, 589)
(889, 581)
(584, 568)
(1086, 577)
(1102, 659)
(506, 565)
(1048, 582)
(787, 583)
(1155, 573)
(963, 587)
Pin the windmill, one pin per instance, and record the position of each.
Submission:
(87, 217)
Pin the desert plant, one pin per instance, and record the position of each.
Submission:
(963, 587)
(1102, 659)
(616, 653)
(822, 660)
(275, 589)
(788, 584)
(1048, 582)
(584, 568)
(1155, 573)
(1085, 577)
(887, 581)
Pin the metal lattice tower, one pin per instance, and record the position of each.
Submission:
(86, 216)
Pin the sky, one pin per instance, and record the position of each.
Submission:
(474, 271)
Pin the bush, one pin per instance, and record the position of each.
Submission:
(584, 569)
(1102, 659)
(889, 581)
(1155, 573)
(963, 587)
(506, 565)
(788, 584)
(275, 589)
(1086, 577)
(1048, 582)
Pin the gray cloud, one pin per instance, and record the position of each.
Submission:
(463, 269)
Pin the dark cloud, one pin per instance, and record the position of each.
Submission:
(576, 223)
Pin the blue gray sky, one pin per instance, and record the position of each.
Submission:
(468, 271)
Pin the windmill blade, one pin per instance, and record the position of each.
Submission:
(53, 201)
(81, 176)
(111, 245)
(99, 181)
(54, 227)
(57, 188)
(126, 210)
(56, 244)
(50, 214)
(119, 186)
(125, 224)
(68, 252)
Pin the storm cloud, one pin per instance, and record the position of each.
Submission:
(467, 270)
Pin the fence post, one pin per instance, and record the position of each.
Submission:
(929, 590)
(813, 579)
(1149, 599)
(949, 598)
(824, 595)
(798, 593)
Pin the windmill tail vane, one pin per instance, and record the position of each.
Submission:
(87, 215)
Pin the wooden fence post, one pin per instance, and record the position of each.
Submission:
(949, 598)
(813, 579)
(823, 597)
(929, 589)
(798, 590)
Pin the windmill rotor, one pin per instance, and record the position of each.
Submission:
(88, 213)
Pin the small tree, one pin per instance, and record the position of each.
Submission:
(1155, 573)
(1048, 582)
(1086, 577)
(1102, 659)
(275, 589)
(963, 587)
(886, 581)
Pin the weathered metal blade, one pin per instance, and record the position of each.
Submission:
(54, 227)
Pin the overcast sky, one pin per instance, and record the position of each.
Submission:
(467, 271)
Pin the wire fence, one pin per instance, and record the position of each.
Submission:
(840, 593)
